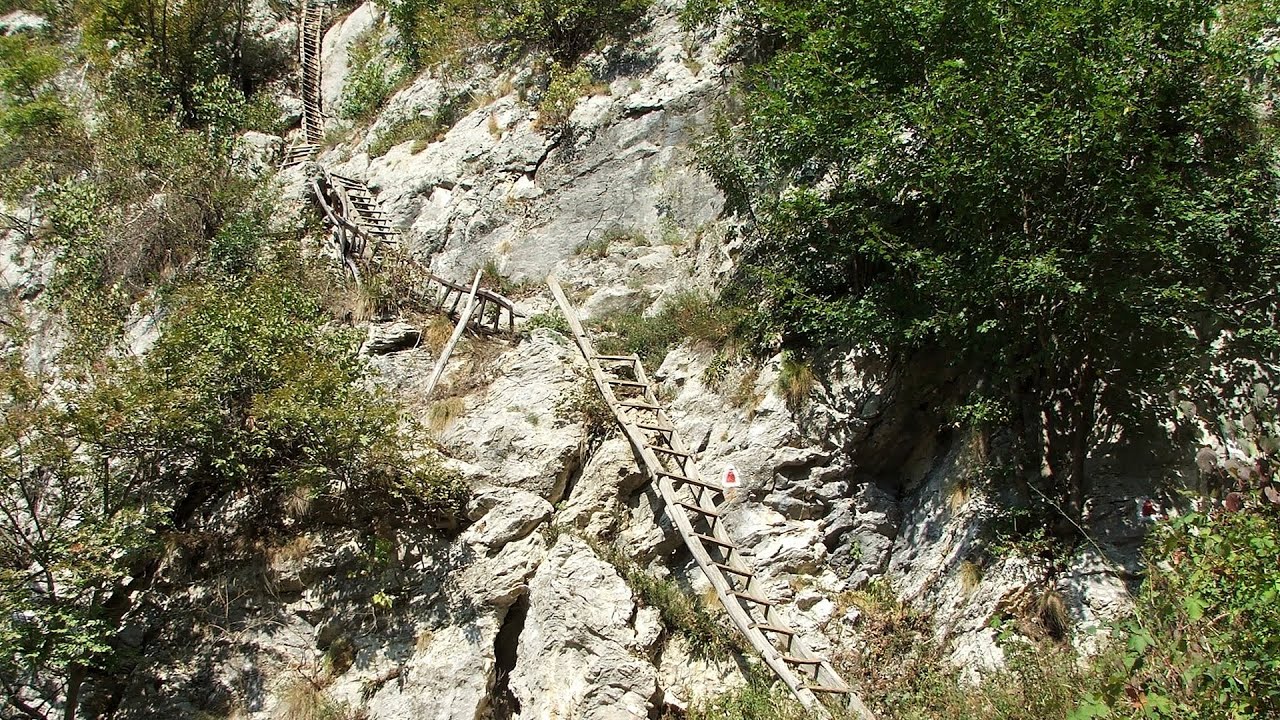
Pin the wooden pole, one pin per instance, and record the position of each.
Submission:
(457, 333)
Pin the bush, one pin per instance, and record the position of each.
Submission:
(566, 29)
(564, 89)
(434, 31)
(1204, 640)
(687, 316)
(370, 83)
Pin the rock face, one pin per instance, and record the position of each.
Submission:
(516, 431)
(335, 53)
(390, 337)
(577, 654)
(517, 615)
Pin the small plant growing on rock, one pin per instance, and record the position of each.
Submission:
(795, 381)
(564, 90)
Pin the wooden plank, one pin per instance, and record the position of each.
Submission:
(453, 339)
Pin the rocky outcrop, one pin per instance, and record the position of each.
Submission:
(578, 652)
(516, 432)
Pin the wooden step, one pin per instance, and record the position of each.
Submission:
(626, 383)
(614, 358)
(639, 405)
(715, 541)
(827, 689)
(699, 509)
(670, 451)
(766, 627)
(752, 598)
(690, 481)
(732, 569)
(654, 427)
(801, 661)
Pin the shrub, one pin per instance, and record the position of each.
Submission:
(370, 83)
(1205, 638)
(564, 89)
(435, 31)
(687, 316)
(566, 29)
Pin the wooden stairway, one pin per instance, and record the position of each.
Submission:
(364, 232)
(361, 207)
(694, 507)
(310, 37)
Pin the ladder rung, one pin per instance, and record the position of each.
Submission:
(752, 598)
(653, 427)
(691, 481)
(699, 509)
(765, 627)
(801, 661)
(827, 689)
(639, 405)
(626, 383)
(614, 358)
(716, 541)
(670, 451)
(734, 570)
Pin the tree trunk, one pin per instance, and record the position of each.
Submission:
(1083, 415)
(75, 680)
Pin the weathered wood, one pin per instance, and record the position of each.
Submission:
(453, 339)
(824, 676)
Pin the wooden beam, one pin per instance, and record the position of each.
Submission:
(453, 339)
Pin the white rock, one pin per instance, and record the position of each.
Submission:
(575, 658)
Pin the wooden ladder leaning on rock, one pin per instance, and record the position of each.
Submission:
(694, 507)
(310, 38)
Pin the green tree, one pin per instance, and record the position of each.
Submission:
(248, 392)
(1071, 200)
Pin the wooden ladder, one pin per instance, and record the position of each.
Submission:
(695, 508)
(310, 38)
(363, 209)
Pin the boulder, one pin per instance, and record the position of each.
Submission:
(576, 656)
(390, 337)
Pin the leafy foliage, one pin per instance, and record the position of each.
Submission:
(564, 89)
(687, 316)
(168, 53)
(433, 30)
(1205, 640)
(1035, 189)
(247, 392)
(371, 82)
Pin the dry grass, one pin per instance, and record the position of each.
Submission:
(796, 382)
(290, 552)
(298, 502)
(437, 332)
(444, 412)
(304, 701)
(970, 574)
(424, 639)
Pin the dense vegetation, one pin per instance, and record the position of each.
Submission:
(434, 30)
(1073, 201)
(249, 397)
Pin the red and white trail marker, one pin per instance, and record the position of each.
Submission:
(730, 478)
